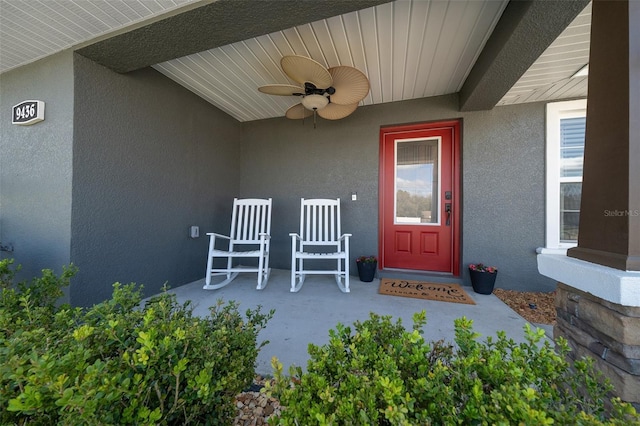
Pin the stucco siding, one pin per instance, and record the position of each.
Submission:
(504, 193)
(150, 160)
(125, 163)
(36, 166)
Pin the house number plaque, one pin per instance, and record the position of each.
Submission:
(27, 113)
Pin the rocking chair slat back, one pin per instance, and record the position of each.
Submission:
(320, 221)
(250, 219)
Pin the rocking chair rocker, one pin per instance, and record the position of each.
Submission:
(249, 238)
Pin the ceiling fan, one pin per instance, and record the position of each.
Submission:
(332, 93)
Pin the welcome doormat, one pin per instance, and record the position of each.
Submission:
(424, 290)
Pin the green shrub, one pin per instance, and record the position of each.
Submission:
(383, 374)
(118, 362)
(6, 273)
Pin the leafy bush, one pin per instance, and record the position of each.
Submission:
(383, 374)
(6, 273)
(118, 362)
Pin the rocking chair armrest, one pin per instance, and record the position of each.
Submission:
(218, 235)
(295, 235)
(344, 236)
(265, 235)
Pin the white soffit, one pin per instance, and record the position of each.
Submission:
(549, 78)
(34, 29)
(408, 48)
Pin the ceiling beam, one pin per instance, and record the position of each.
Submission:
(525, 30)
(212, 25)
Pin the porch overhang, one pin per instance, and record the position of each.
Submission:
(191, 31)
(524, 31)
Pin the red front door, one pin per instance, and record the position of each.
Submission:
(419, 207)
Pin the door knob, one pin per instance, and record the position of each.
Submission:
(447, 210)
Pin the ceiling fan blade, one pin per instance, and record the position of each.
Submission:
(298, 112)
(350, 83)
(336, 111)
(302, 70)
(281, 89)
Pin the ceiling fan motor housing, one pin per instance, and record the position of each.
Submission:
(311, 89)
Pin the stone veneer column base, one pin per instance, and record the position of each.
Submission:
(605, 331)
(600, 327)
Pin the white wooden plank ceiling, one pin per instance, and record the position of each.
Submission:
(34, 29)
(408, 49)
(550, 77)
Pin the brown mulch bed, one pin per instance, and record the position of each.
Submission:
(537, 308)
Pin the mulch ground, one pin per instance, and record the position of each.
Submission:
(537, 308)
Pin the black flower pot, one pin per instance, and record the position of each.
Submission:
(367, 270)
(483, 282)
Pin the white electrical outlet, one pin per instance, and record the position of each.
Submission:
(194, 231)
(354, 196)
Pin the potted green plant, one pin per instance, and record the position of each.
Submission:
(483, 277)
(367, 266)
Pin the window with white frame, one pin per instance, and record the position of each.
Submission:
(566, 123)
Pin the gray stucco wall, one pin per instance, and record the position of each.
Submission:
(35, 166)
(115, 186)
(504, 193)
(502, 179)
(150, 160)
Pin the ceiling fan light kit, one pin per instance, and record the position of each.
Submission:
(315, 102)
(332, 93)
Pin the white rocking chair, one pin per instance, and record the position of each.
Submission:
(319, 238)
(249, 238)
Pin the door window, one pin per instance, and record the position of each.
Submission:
(417, 182)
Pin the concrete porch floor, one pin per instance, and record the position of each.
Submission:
(307, 316)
